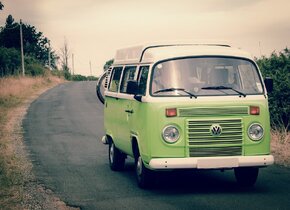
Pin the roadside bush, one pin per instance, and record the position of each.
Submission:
(66, 74)
(57, 73)
(9, 61)
(33, 67)
(79, 77)
(92, 78)
(277, 66)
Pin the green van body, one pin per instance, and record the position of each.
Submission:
(148, 121)
(132, 122)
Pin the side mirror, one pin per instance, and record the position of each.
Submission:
(269, 84)
(132, 87)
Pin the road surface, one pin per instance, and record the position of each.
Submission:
(63, 130)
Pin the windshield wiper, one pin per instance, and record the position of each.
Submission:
(173, 89)
(223, 88)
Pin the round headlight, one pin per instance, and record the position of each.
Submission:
(170, 134)
(255, 132)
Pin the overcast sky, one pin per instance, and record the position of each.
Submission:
(94, 29)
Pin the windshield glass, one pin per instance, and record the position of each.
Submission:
(205, 76)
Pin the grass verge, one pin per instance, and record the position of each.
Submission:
(15, 168)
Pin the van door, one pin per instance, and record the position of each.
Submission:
(138, 121)
(126, 111)
(112, 105)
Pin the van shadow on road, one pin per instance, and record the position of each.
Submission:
(194, 181)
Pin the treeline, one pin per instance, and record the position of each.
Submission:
(277, 66)
(79, 77)
(36, 50)
(39, 57)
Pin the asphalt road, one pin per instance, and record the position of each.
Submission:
(63, 129)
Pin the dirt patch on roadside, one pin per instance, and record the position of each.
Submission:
(23, 191)
(280, 146)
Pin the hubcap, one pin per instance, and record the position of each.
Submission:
(112, 153)
(139, 166)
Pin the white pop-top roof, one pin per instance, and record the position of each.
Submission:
(150, 53)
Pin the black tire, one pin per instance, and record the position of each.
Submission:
(116, 158)
(246, 176)
(144, 175)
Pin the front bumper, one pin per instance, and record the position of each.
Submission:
(211, 162)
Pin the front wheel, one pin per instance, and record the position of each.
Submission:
(247, 176)
(143, 174)
(116, 158)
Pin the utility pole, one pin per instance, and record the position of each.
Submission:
(49, 64)
(73, 65)
(21, 45)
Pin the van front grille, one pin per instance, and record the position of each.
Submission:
(203, 143)
(213, 111)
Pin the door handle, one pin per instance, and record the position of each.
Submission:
(129, 111)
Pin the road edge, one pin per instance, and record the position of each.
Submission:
(34, 194)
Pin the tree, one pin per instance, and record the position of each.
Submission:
(64, 56)
(35, 44)
(10, 33)
(1, 6)
(9, 61)
(108, 64)
(277, 66)
(36, 49)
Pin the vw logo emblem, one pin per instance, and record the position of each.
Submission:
(216, 130)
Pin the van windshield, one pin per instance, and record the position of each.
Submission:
(205, 76)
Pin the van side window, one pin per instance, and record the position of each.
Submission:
(129, 74)
(115, 79)
(143, 79)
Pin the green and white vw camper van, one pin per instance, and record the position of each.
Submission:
(187, 106)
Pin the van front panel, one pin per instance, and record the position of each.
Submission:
(195, 120)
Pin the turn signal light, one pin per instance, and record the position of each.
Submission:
(254, 110)
(171, 112)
